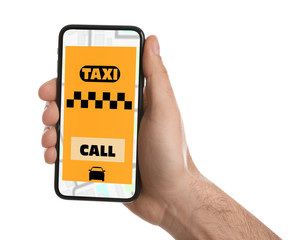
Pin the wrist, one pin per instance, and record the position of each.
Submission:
(180, 210)
(203, 211)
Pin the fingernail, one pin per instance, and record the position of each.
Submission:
(46, 129)
(46, 105)
(155, 47)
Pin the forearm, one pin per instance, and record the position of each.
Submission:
(206, 212)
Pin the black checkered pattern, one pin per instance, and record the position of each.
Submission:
(98, 103)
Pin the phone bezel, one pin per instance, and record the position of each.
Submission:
(58, 100)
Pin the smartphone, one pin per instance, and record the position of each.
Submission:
(99, 96)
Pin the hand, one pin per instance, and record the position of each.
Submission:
(173, 194)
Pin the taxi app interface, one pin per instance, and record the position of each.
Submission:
(99, 102)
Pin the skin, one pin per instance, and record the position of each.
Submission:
(192, 208)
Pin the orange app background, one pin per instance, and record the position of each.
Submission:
(99, 123)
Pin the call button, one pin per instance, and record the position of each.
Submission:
(97, 149)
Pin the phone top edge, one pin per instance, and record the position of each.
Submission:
(102, 27)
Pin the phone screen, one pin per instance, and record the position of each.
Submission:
(99, 107)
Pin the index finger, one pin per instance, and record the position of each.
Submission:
(47, 91)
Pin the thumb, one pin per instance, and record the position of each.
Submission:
(159, 94)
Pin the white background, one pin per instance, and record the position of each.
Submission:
(234, 67)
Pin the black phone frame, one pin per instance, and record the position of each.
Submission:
(58, 101)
